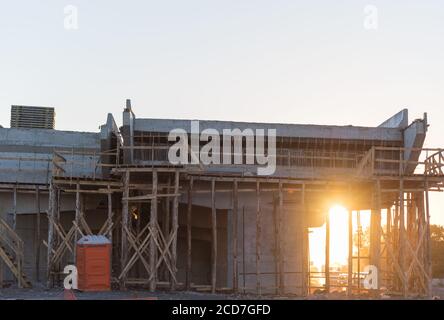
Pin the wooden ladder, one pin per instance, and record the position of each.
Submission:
(11, 253)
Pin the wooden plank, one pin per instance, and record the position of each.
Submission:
(402, 236)
(305, 249)
(24, 188)
(387, 241)
(428, 235)
(377, 232)
(258, 238)
(70, 182)
(110, 214)
(166, 224)
(125, 218)
(327, 253)
(276, 242)
(14, 208)
(280, 240)
(110, 222)
(51, 216)
(77, 219)
(38, 239)
(189, 235)
(175, 226)
(213, 236)
(235, 234)
(153, 230)
(2, 268)
(305, 244)
(151, 197)
(359, 229)
(350, 253)
(110, 191)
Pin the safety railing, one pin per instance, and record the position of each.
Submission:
(283, 157)
(377, 161)
(398, 161)
(434, 164)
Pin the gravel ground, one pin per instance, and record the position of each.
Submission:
(59, 294)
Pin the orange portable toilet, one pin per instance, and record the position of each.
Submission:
(94, 263)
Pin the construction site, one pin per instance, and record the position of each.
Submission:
(219, 228)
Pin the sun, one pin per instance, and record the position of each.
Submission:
(338, 235)
(339, 220)
(338, 239)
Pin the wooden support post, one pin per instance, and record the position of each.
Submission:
(136, 216)
(125, 220)
(14, 212)
(175, 226)
(397, 281)
(402, 239)
(305, 250)
(51, 214)
(77, 219)
(388, 246)
(410, 226)
(166, 223)
(110, 219)
(376, 231)
(281, 240)
(189, 235)
(258, 238)
(110, 213)
(421, 235)
(14, 227)
(276, 243)
(244, 270)
(58, 238)
(234, 234)
(327, 253)
(350, 253)
(37, 235)
(214, 236)
(359, 229)
(428, 240)
(1, 273)
(153, 239)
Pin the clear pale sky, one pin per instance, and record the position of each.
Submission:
(274, 61)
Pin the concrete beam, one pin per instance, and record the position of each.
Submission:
(399, 120)
(414, 137)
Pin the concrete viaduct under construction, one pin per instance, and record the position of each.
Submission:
(218, 227)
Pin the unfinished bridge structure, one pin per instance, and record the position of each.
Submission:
(219, 227)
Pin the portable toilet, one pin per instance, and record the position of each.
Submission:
(94, 263)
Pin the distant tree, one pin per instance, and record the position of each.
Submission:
(437, 245)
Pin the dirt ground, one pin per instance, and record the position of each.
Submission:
(60, 294)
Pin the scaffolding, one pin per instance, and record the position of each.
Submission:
(141, 201)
